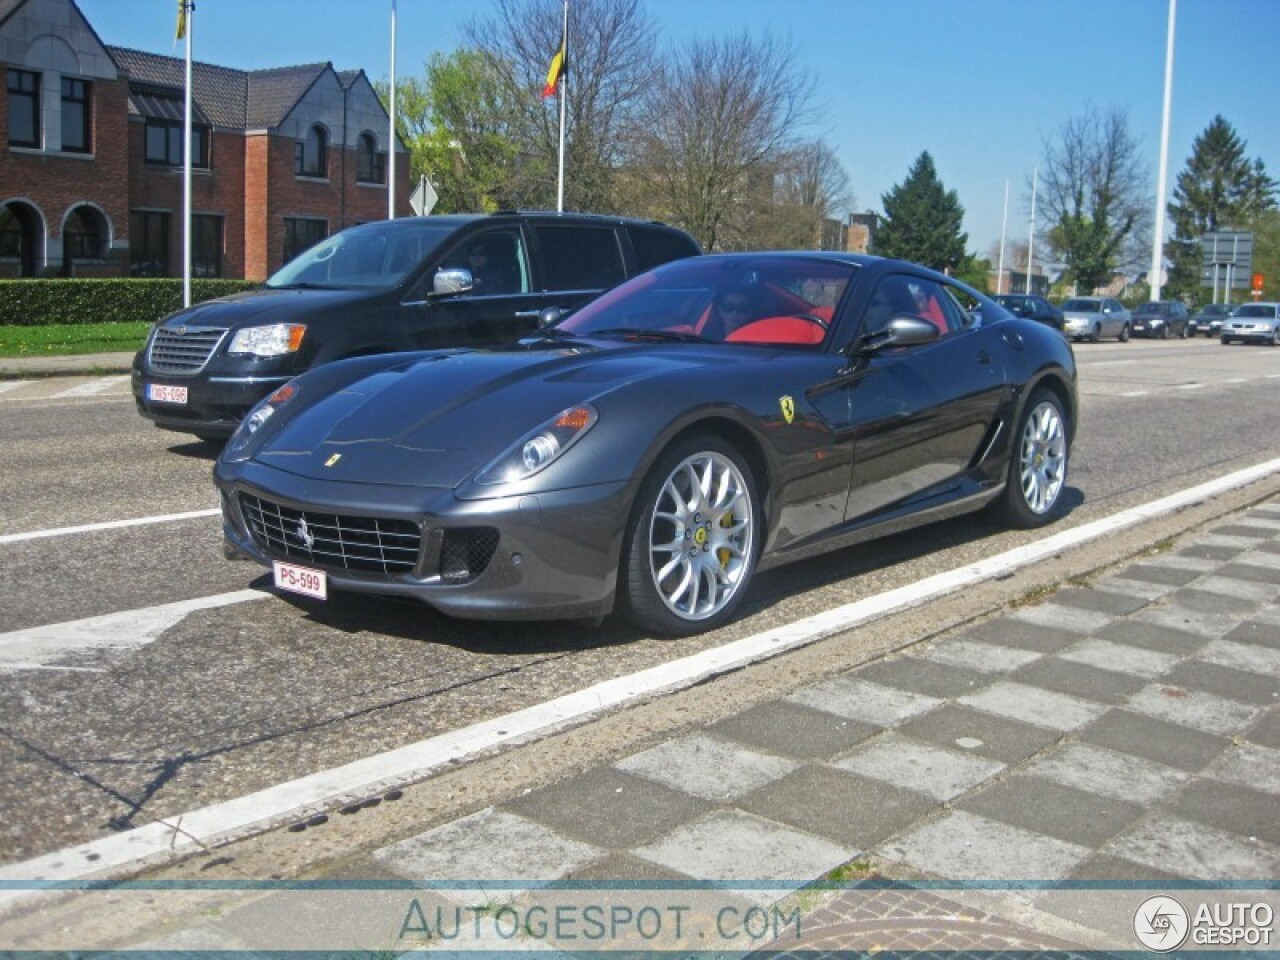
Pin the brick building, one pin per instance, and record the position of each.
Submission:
(91, 169)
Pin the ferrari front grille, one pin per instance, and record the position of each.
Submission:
(185, 349)
(333, 541)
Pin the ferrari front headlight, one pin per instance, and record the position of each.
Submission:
(538, 449)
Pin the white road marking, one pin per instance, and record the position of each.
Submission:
(1136, 393)
(1237, 380)
(1190, 386)
(8, 385)
(288, 801)
(127, 630)
(1109, 363)
(105, 525)
(91, 388)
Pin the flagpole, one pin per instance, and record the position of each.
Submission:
(564, 100)
(1031, 234)
(1004, 224)
(189, 8)
(391, 127)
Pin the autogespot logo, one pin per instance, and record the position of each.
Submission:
(1161, 924)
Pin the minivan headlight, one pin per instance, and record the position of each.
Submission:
(271, 341)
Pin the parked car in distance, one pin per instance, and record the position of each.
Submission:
(649, 453)
(407, 284)
(1254, 323)
(1161, 318)
(1209, 319)
(1032, 307)
(1092, 318)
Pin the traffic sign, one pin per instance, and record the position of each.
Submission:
(423, 198)
(1226, 259)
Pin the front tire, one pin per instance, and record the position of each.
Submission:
(693, 539)
(1096, 335)
(1038, 464)
(1124, 334)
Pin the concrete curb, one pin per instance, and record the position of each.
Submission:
(73, 365)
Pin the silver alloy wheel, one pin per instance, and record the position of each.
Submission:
(701, 535)
(1043, 458)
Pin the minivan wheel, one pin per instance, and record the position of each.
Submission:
(692, 543)
(1037, 465)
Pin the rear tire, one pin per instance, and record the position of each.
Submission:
(1096, 335)
(693, 539)
(1037, 472)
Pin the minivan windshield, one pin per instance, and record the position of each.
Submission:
(372, 256)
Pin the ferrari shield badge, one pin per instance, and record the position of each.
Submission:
(332, 460)
(788, 407)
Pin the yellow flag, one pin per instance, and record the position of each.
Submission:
(182, 20)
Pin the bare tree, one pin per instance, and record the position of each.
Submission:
(609, 65)
(1096, 195)
(719, 125)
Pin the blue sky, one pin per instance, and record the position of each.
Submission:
(978, 83)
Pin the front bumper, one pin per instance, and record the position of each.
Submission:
(216, 403)
(557, 553)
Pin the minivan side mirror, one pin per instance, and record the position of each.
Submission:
(449, 280)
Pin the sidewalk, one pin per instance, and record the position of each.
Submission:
(82, 364)
(1126, 730)
(1024, 784)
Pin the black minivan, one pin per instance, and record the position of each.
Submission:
(415, 283)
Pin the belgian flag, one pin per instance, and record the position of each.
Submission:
(559, 67)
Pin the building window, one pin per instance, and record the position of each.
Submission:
(82, 235)
(300, 234)
(24, 108)
(164, 144)
(77, 114)
(309, 158)
(371, 165)
(149, 244)
(19, 227)
(206, 246)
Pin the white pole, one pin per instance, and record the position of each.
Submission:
(1157, 244)
(1031, 237)
(1004, 224)
(564, 101)
(391, 126)
(186, 167)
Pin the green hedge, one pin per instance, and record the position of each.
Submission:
(41, 302)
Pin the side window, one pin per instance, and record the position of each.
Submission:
(654, 247)
(915, 296)
(579, 257)
(968, 308)
(497, 260)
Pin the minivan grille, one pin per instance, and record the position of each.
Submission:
(368, 544)
(185, 349)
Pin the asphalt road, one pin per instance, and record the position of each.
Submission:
(117, 722)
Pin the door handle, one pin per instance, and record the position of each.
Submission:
(528, 314)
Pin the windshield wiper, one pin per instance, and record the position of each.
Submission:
(641, 333)
(305, 285)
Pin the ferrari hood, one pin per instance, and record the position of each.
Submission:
(435, 420)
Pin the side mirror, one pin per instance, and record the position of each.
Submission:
(550, 316)
(903, 330)
(449, 280)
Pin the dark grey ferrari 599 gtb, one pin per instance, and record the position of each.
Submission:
(650, 452)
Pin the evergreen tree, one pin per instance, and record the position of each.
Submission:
(1220, 189)
(922, 220)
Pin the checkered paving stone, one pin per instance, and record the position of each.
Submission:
(907, 922)
(1128, 729)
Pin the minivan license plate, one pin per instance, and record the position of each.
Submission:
(165, 394)
(303, 580)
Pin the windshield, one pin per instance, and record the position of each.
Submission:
(1082, 305)
(1150, 308)
(733, 299)
(1256, 310)
(1216, 310)
(373, 256)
